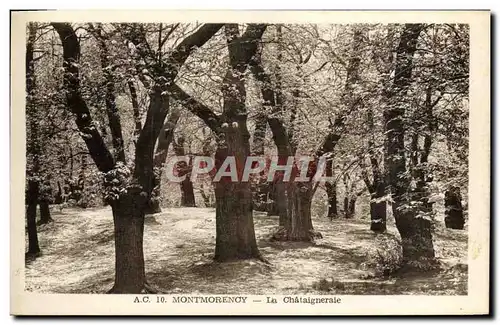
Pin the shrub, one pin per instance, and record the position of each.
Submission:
(387, 255)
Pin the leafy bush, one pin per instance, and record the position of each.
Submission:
(387, 255)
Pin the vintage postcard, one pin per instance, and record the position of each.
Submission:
(250, 162)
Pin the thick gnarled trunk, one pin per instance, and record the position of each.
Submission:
(235, 234)
(416, 236)
(128, 217)
(295, 217)
(415, 231)
(300, 200)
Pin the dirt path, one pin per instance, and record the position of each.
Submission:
(78, 257)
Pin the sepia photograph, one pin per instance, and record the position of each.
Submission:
(222, 160)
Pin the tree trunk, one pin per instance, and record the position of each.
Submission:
(274, 199)
(187, 192)
(184, 169)
(206, 197)
(261, 196)
(454, 215)
(261, 191)
(164, 139)
(45, 212)
(378, 213)
(33, 144)
(128, 217)
(300, 203)
(135, 109)
(280, 204)
(59, 195)
(32, 201)
(331, 191)
(352, 206)
(346, 207)
(153, 205)
(235, 234)
(297, 223)
(415, 232)
(45, 197)
(416, 236)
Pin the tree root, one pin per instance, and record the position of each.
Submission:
(283, 234)
(422, 264)
(263, 260)
(30, 257)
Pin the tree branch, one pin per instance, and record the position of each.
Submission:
(182, 51)
(199, 109)
(91, 136)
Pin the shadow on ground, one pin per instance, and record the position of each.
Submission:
(78, 257)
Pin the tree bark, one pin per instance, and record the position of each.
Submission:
(235, 234)
(416, 235)
(331, 192)
(454, 214)
(45, 198)
(45, 212)
(378, 215)
(352, 206)
(272, 196)
(187, 190)
(415, 232)
(279, 204)
(301, 223)
(128, 217)
(378, 205)
(420, 155)
(261, 192)
(164, 140)
(135, 109)
(32, 201)
(33, 144)
(59, 195)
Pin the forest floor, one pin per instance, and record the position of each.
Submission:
(78, 257)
